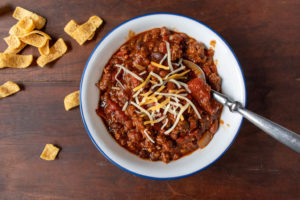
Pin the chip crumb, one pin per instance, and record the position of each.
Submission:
(84, 32)
(14, 60)
(50, 152)
(71, 100)
(56, 51)
(21, 13)
(8, 88)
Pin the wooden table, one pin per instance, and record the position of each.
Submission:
(263, 34)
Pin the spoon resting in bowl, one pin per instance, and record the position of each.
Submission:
(283, 135)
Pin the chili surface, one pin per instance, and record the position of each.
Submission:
(152, 104)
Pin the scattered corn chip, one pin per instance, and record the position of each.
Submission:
(56, 51)
(14, 60)
(50, 152)
(26, 24)
(37, 32)
(17, 31)
(91, 37)
(21, 13)
(71, 27)
(12, 50)
(8, 88)
(35, 38)
(45, 50)
(12, 41)
(84, 32)
(71, 100)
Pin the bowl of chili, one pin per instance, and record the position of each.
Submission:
(153, 107)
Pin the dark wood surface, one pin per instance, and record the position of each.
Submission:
(265, 37)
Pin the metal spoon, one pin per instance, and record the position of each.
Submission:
(283, 135)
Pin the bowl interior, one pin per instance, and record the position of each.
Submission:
(232, 85)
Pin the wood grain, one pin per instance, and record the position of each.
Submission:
(265, 37)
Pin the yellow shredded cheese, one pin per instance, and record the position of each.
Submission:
(142, 84)
(146, 94)
(176, 76)
(181, 118)
(162, 104)
(159, 65)
(150, 122)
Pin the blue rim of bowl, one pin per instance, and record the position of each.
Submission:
(91, 137)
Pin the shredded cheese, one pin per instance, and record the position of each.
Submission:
(142, 73)
(158, 77)
(115, 88)
(125, 106)
(177, 118)
(166, 109)
(146, 94)
(150, 122)
(159, 65)
(175, 71)
(137, 100)
(181, 118)
(181, 97)
(142, 84)
(139, 67)
(177, 76)
(163, 59)
(169, 56)
(160, 105)
(145, 131)
(137, 93)
(175, 82)
(142, 110)
(129, 72)
(118, 81)
(160, 119)
(185, 86)
(165, 124)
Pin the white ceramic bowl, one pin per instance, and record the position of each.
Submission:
(233, 85)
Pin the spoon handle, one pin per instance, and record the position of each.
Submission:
(283, 135)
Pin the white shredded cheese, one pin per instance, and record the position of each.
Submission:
(160, 119)
(177, 118)
(142, 73)
(175, 104)
(158, 77)
(125, 106)
(163, 59)
(161, 82)
(175, 82)
(118, 81)
(179, 62)
(142, 110)
(137, 93)
(145, 131)
(165, 124)
(169, 56)
(175, 71)
(129, 72)
(181, 97)
(166, 109)
(115, 88)
(185, 86)
(184, 94)
(137, 100)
